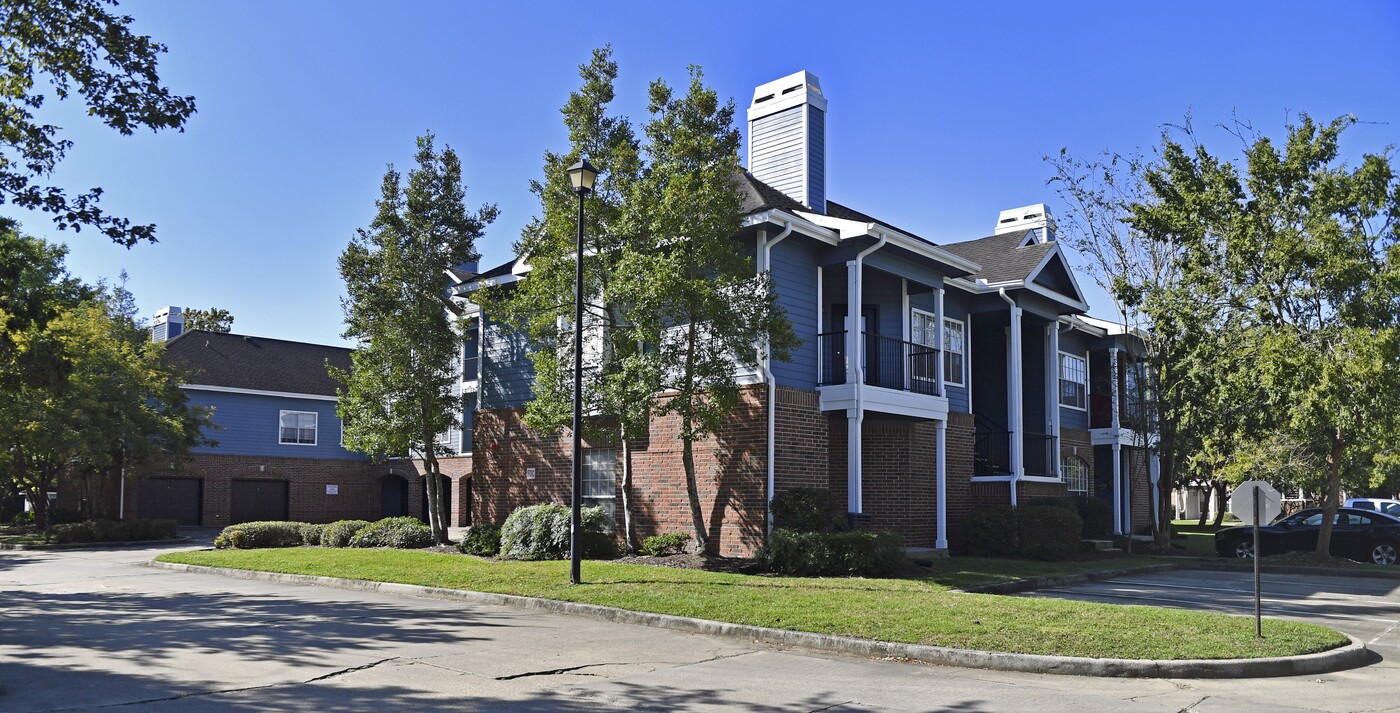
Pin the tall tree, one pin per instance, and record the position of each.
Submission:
(690, 293)
(77, 46)
(214, 319)
(1307, 248)
(399, 390)
(618, 376)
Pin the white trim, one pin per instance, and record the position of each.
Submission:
(1059, 376)
(1053, 252)
(259, 392)
(315, 429)
(847, 229)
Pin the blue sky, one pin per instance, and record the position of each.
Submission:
(939, 113)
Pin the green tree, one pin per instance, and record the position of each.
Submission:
(690, 293)
(1306, 248)
(214, 319)
(399, 390)
(619, 378)
(77, 46)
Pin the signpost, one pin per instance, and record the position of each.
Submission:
(1255, 502)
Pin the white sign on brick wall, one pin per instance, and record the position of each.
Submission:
(529, 473)
(332, 490)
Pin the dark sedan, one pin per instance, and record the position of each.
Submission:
(1362, 535)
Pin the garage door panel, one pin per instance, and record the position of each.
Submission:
(258, 500)
(178, 499)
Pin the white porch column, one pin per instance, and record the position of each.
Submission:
(854, 358)
(941, 470)
(855, 376)
(940, 345)
(904, 349)
(1052, 394)
(1117, 488)
(1015, 401)
(1113, 388)
(853, 480)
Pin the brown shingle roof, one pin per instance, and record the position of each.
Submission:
(243, 362)
(1001, 257)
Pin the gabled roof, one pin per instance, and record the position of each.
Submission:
(237, 361)
(1002, 257)
(761, 196)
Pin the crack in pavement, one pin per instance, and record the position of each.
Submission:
(1192, 707)
(833, 705)
(556, 671)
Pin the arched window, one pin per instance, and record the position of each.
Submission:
(1076, 474)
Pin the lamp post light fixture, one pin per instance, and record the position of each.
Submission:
(581, 177)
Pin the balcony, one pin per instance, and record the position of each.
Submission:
(904, 375)
(992, 452)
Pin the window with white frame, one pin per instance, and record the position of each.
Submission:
(1075, 473)
(923, 331)
(1074, 380)
(297, 428)
(954, 352)
(600, 480)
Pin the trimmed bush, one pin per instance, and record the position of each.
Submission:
(863, 553)
(338, 533)
(403, 533)
(1097, 516)
(808, 510)
(311, 534)
(259, 535)
(672, 543)
(481, 540)
(1043, 532)
(541, 532)
(114, 531)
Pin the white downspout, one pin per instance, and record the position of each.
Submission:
(1017, 444)
(765, 364)
(854, 501)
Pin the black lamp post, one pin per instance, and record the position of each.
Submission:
(581, 176)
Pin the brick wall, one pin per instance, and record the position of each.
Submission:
(1140, 482)
(800, 440)
(358, 486)
(961, 444)
(898, 474)
(731, 473)
(459, 470)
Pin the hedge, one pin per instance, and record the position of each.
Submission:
(1042, 532)
(808, 510)
(338, 533)
(114, 531)
(404, 533)
(541, 532)
(258, 535)
(481, 540)
(863, 553)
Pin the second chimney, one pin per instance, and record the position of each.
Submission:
(787, 138)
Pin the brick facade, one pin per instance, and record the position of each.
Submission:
(1077, 443)
(899, 489)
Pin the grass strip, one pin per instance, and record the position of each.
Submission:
(921, 611)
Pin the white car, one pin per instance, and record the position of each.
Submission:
(1389, 507)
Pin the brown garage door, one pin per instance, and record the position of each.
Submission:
(258, 500)
(177, 499)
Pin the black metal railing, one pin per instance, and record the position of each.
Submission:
(991, 453)
(1040, 454)
(888, 362)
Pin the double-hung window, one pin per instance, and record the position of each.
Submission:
(1076, 474)
(923, 332)
(954, 352)
(297, 428)
(600, 480)
(1074, 381)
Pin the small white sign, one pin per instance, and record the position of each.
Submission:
(529, 473)
(1242, 502)
(332, 490)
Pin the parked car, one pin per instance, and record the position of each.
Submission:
(1385, 505)
(1362, 535)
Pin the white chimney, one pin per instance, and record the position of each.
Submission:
(169, 324)
(787, 138)
(1035, 217)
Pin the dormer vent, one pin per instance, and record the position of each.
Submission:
(787, 138)
(1034, 217)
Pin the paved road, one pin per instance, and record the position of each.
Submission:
(87, 630)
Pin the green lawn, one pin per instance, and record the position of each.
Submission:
(922, 611)
(1198, 539)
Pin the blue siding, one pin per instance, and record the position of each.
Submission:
(816, 158)
(507, 372)
(248, 425)
(1033, 345)
(468, 417)
(953, 308)
(794, 271)
(989, 371)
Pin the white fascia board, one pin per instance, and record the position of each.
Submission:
(475, 285)
(1054, 252)
(1075, 321)
(452, 276)
(982, 288)
(259, 392)
(1056, 296)
(855, 229)
(808, 227)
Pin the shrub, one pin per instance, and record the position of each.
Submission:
(808, 510)
(672, 543)
(311, 534)
(864, 553)
(404, 533)
(1044, 532)
(258, 535)
(338, 533)
(481, 540)
(114, 531)
(1096, 514)
(541, 532)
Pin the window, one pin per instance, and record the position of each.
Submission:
(297, 428)
(923, 332)
(600, 481)
(1076, 474)
(1074, 377)
(954, 351)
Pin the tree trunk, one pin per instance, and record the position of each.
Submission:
(1333, 497)
(1218, 492)
(436, 521)
(1166, 477)
(1205, 504)
(692, 488)
(628, 537)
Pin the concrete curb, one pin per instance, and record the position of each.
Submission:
(92, 545)
(1349, 656)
